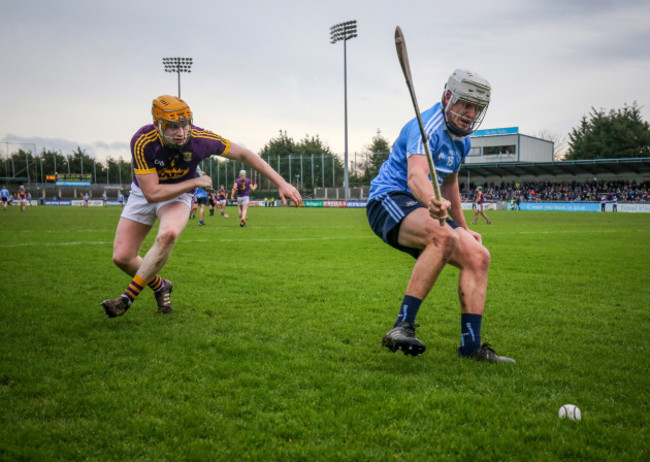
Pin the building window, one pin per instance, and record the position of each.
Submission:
(474, 152)
(496, 150)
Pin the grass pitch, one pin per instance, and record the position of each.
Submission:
(273, 350)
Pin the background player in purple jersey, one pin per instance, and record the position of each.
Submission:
(166, 155)
(22, 198)
(403, 210)
(242, 188)
(222, 197)
(479, 200)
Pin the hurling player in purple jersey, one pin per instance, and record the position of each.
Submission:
(403, 210)
(166, 155)
(479, 200)
(242, 187)
(222, 197)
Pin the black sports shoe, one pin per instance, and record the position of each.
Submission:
(402, 337)
(486, 353)
(163, 298)
(116, 307)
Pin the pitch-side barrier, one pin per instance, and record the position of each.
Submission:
(630, 207)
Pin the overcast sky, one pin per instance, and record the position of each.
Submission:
(84, 72)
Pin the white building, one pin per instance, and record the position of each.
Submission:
(507, 145)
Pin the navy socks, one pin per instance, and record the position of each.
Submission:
(408, 310)
(470, 333)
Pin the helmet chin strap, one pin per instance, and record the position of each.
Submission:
(473, 122)
(166, 139)
(171, 144)
(453, 128)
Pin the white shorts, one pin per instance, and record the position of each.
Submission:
(220, 203)
(139, 210)
(242, 200)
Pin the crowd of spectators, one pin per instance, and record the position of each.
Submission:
(542, 191)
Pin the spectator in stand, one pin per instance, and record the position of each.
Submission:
(566, 191)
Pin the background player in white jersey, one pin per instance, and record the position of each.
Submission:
(403, 211)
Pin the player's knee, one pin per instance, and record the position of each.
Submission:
(446, 240)
(121, 260)
(167, 238)
(480, 259)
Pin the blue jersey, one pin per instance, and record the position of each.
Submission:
(4, 193)
(447, 151)
(200, 193)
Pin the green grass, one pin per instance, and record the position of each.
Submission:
(273, 350)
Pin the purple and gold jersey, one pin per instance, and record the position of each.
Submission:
(22, 195)
(222, 194)
(243, 187)
(480, 198)
(173, 165)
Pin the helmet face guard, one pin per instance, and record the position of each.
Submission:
(465, 101)
(171, 111)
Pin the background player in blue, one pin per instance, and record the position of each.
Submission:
(166, 155)
(202, 199)
(403, 211)
(4, 194)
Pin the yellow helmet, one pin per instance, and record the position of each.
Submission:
(172, 109)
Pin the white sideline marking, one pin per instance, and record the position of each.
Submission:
(292, 239)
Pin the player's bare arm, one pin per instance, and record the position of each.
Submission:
(154, 191)
(420, 185)
(451, 191)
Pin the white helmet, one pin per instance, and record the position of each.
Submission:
(242, 173)
(469, 88)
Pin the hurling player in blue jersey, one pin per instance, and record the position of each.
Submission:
(403, 211)
(166, 155)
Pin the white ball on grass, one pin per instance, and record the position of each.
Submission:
(570, 411)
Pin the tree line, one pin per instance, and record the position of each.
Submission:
(309, 163)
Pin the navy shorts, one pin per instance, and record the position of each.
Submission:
(386, 212)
